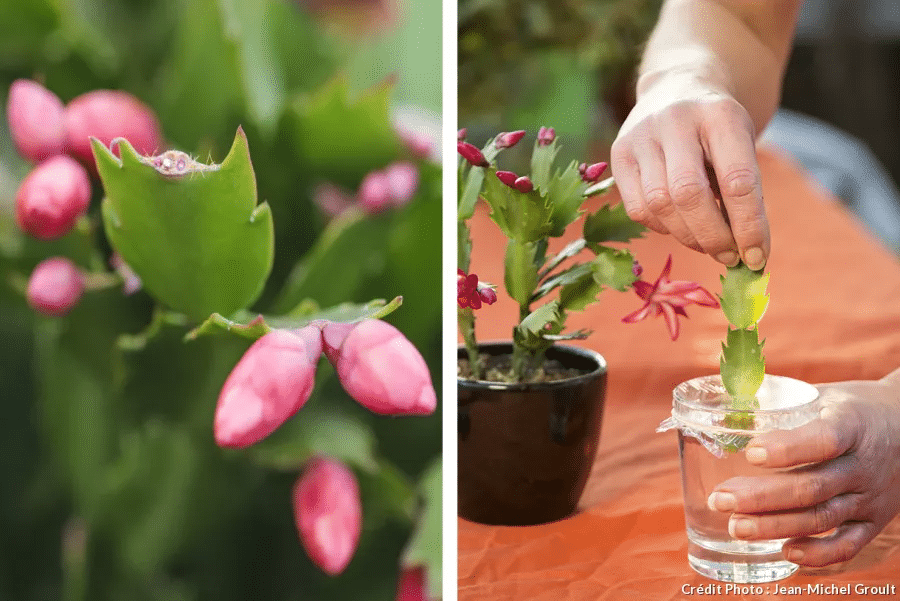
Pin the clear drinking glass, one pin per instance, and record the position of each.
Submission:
(711, 439)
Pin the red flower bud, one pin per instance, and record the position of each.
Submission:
(52, 197)
(328, 513)
(546, 135)
(36, 122)
(55, 286)
(109, 114)
(507, 177)
(379, 367)
(593, 172)
(461, 135)
(581, 169)
(488, 295)
(270, 383)
(472, 154)
(523, 184)
(412, 585)
(509, 139)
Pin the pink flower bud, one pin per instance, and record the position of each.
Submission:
(472, 154)
(581, 169)
(412, 585)
(403, 181)
(374, 192)
(593, 172)
(270, 383)
(55, 286)
(52, 197)
(328, 513)
(109, 114)
(507, 177)
(461, 135)
(523, 184)
(419, 145)
(332, 200)
(509, 139)
(636, 269)
(379, 367)
(36, 121)
(546, 135)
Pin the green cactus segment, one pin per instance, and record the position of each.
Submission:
(531, 332)
(521, 270)
(611, 224)
(253, 326)
(424, 549)
(542, 159)
(610, 268)
(742, 367)
(744, 299)
(195, 237)
(565, 194)
(337, 138)
(521, 216)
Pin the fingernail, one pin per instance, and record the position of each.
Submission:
(741, 528)
(728, 258)
(721, 501)
(794, 555)
(754, 258)
(756, 455)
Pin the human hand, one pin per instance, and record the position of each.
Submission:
(845, 476)
(684, 144)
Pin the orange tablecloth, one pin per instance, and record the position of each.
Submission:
(834, 315)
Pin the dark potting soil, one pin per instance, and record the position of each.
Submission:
(497, 369)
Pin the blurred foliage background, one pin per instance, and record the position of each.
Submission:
(112, 486)
(567, 64)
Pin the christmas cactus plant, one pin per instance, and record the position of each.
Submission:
(220, 319)
(530, 210)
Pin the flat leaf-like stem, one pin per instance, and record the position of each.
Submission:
(248, 325)
(744, 299)
(193, 233)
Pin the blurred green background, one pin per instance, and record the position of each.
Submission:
(112, 486)
(566, 64)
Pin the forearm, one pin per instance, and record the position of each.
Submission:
(739, 47)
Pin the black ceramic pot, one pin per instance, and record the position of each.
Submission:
(526, 450)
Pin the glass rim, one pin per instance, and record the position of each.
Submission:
(676, 400)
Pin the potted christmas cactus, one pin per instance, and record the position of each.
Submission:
(716, 417)
(530, 408)
(188, 365)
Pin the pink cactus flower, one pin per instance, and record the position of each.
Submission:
(593, 172)
(379, 367)
(109, 114)
(472, 154)
(36, 120)
(669, 298)
(509, 139)
(472, 293)
(270, 383)
(546, 135)
(52, 197)
(328, 513)
(55, 287)
(412, 585)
